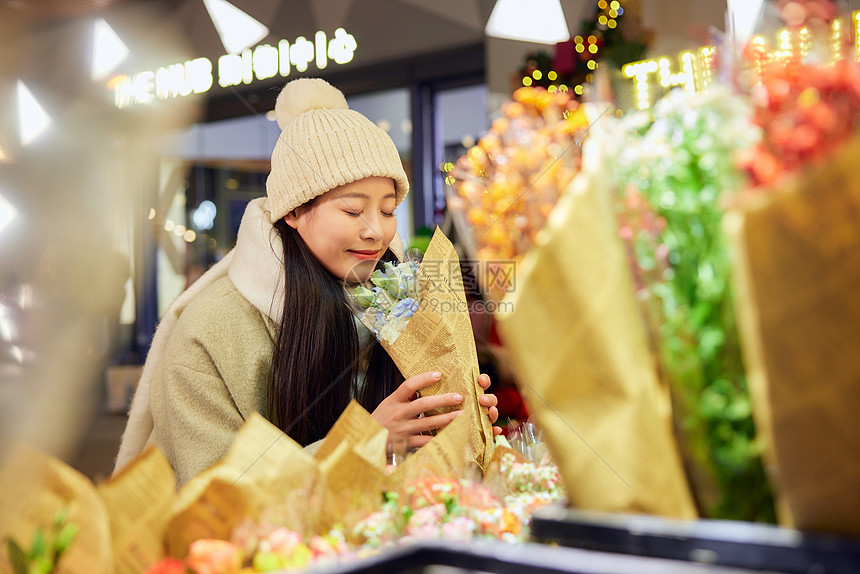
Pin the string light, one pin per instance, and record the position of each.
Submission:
(857, 35)
(805, 41)
(836, 39)
(537, 75)
(527, 81)
(611, 24)
(552, 76)
(687, 76)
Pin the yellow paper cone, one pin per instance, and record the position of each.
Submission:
(796, 285)
(579, 348)
(357, 428)
(262, 467)
(138, 501)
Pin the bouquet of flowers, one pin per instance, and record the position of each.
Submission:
(796, 234)
(670, 173)
(505, 186)
(420, 316)
(529, 192)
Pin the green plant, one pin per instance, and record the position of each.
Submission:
(45, 550)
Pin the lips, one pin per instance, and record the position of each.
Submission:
(365, 255)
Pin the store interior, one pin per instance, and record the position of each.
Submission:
(134, 134)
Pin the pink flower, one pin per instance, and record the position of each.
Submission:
(283, 540)
(208, 556)
(459, 529)
(167, 566)
(425, 522)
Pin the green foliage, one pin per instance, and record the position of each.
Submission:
(45, 550)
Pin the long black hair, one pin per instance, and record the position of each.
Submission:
(317, 356)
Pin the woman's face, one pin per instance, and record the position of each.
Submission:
(349, 228)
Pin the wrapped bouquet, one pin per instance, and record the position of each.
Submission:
(796, 232)
(506, 186)
(421, 317)
(671, 171)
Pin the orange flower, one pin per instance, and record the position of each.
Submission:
(208, 556)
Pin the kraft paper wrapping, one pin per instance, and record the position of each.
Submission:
(352, 468)
(34, 488)
(446, 456)
(439, 337)
(351, 488)
(262, 467)
(580, 350)
(360, 430)
(796, 283)
(138, 501)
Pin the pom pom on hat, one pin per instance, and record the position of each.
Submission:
(323, 145)
(305, 94)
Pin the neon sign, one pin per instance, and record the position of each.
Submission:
(695, 69)
(263, 62)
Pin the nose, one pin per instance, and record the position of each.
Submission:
(371, 227)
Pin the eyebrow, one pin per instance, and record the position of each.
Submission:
(360, 195)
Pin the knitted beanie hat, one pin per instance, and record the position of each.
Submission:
(323, 145)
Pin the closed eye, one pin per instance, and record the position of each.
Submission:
(386, 214)
(352, 213)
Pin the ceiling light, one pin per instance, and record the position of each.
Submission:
(32, 118)
(540, 21)
(237, 29)
(108, 50)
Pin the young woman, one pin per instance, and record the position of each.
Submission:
(271, 329)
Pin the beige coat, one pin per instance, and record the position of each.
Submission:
(212, 376)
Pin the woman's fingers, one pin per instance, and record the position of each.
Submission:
(435, 422)
(424, 404)
(418, 440)
(489, 400)
(484, 381)
(410, 386)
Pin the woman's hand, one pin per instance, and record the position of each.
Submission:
(399, 412)
(490, 401)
